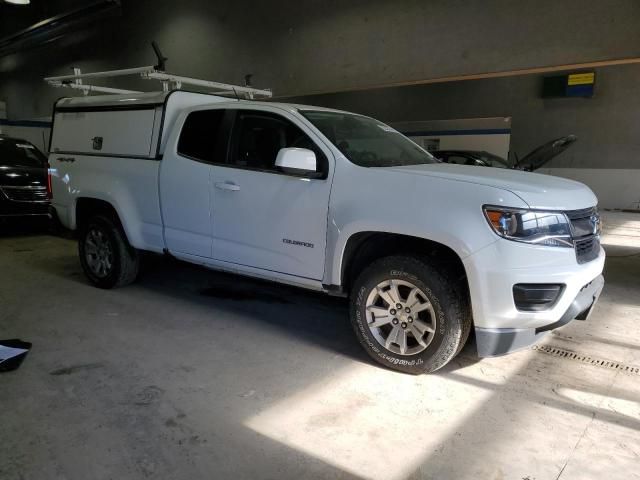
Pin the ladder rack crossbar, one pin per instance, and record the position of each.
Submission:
(150, 73)
(168, 77)
(105, 74)
(94, 88)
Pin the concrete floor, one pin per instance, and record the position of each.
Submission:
(194, 374)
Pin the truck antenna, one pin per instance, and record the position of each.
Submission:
(162, 60)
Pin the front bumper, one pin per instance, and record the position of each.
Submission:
(492, 342)
(9, 208)
(494, 270)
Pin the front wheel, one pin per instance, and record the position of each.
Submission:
(408, 315)
(106, 257)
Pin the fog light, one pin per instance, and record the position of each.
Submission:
(534, 297)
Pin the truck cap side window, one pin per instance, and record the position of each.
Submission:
(259, 136)
(200, 135)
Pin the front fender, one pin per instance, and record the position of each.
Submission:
(444, 211)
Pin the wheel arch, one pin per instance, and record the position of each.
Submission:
(362, 248)
(86, 207)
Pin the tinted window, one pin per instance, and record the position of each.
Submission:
(259, 136)
(460, 160)
(493, 160)
(367, 142)
(200, 134)
(20, 154)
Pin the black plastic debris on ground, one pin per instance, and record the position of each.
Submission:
(12, 353)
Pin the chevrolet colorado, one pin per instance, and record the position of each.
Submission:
(330, 201)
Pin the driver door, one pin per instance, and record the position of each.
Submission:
(265, 218)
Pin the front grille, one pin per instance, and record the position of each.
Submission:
(25, 194)
(585, 229)
(587, 249)
(584, 213)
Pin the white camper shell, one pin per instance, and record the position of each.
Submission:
(130, 125)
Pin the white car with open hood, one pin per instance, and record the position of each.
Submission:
(330, 201)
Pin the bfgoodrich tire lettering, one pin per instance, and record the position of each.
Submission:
(106, 257)
(449, 327)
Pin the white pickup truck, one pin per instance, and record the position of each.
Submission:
(330, 201)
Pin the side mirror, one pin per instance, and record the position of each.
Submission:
(297, 161)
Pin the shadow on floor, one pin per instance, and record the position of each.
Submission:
(24, 226)
(316, 319)
(326, 318)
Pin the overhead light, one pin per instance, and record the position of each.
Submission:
(18, 2)
(58, 25)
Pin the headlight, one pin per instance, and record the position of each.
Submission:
(530, 226)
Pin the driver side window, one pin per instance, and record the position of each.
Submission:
(259, 136)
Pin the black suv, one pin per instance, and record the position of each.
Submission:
(24, 189)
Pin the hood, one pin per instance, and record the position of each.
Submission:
(544, 153)
(538, 191)
(23, 176)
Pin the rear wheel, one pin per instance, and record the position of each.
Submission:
(408, 315)
(106, 257)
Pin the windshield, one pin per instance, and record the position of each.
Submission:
(368, 142)
(18, 153)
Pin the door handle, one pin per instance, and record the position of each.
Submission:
(66, 159)
(227, 186)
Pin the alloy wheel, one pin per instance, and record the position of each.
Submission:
(98, 253)
(400, 317)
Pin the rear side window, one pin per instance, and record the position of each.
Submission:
(200, 135)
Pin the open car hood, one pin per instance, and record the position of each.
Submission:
(541, 155)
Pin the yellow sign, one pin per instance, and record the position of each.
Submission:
(581, 78)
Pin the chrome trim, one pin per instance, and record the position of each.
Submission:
(592, 215)
(4, 189)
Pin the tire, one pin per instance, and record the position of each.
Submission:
(427, 332)
(106, 257)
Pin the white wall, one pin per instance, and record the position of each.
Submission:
(490, 134)
(498, 144)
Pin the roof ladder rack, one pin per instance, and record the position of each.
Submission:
(169, 81)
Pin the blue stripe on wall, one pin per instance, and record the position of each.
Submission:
(479, 131)
(25, 123)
